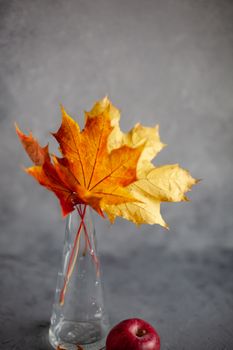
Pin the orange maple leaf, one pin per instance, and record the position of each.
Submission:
(87, 173)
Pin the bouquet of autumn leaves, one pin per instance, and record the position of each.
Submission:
(107, 169)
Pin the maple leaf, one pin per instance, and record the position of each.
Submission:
(107, 169)
(154, 185)
(87, 173)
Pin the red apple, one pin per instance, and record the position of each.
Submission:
(133, 334)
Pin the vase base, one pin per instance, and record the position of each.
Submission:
(69, 335)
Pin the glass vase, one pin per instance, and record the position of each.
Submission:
(79, 319)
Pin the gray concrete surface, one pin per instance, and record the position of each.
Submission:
(166, 62)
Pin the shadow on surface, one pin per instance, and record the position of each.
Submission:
(31, 336)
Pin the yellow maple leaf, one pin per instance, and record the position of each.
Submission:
(154, 185)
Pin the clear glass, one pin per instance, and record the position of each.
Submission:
(79, 320)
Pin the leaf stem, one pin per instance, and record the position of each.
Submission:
(88, 243)
(75, 250)
(92, 253)
(73, 256)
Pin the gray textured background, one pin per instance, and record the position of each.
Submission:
(166, 62)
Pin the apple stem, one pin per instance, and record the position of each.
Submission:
(141, 332)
